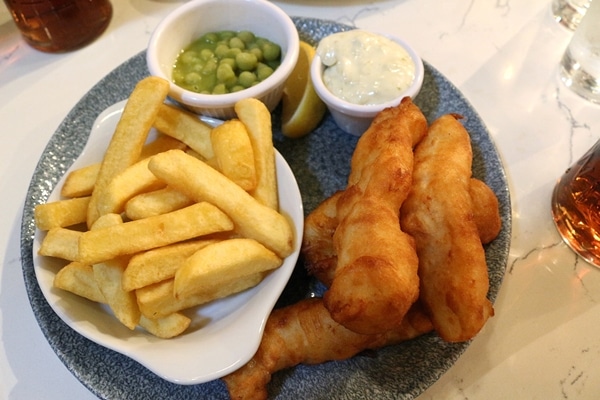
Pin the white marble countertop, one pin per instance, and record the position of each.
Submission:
(502, 55)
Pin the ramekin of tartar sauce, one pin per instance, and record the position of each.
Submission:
(359, 73)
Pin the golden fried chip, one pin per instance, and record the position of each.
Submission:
(62, 243)
(79, 279)
(234, 154)
(158, 300)
(186, 127)
(157, 202)
(201, 182)
(257, 119)
(221, 262)
(159, 264)
(166, 327)
(148, 233)
(126, 144)
(62, 213)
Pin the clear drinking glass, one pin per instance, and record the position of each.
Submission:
(569, 12)
(576, 206)
(60, 25)
(580, 66)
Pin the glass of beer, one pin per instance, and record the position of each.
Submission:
(576, 206)
(60, 25)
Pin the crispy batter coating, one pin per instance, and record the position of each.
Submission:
(439, 215)
(485, 210)
(376, 278)
(304, 333)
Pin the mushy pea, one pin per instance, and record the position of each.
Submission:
(225, 62)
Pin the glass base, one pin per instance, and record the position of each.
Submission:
(578, 79)
(575, 235)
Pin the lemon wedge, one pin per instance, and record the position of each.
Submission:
(302, 109)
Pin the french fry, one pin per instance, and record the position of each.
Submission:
(80, 182)
(257, 119)
(62, 243)
(159, 264)
(62, 213)
(108, 276)
(133, 180)
(158, 300)
(252, 219)
(166, 327)
(157, 202)
(234, 154)
(131, 237)
(185, 127)
(79, 279)
(221, 262)
(130, 135)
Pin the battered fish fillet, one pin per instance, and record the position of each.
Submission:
(304, 333)
(485, 210)
(376, 278)
(317, 243)
(319, 254)
(439, 215)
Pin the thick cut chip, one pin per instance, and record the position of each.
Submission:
(234, 154)
(126, 144)
(159, 264)
(62, 243)
(157, 202)
(109, 275)
(62, 213)
(135, 236)
(134, 180)
(166, 327)
(252, 219)
(186, 127)
(257, 118)
(79, 279)
(221, 262)
(158, 300)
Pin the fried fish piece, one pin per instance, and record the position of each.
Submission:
(376, 278)
(439, 215)
(319, 254)
(304, 333)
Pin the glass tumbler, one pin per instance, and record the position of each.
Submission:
(576, 206)
(60, 25)
(580, 65)
(569, 12)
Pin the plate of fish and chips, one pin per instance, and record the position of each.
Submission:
(320, 164)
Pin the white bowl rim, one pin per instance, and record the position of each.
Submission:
(369, 110)
(188, 97)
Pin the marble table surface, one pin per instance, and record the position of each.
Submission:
(501, 55)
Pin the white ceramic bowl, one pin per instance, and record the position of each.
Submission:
(355, 118)
(189, 21)
(224, 334)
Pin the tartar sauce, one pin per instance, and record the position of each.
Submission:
(365, 68)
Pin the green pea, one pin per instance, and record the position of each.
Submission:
(263, 71)
(247, 78)
(225, 74)
(219, 89)
(226, 35)
(232, 52)
(192, 78)
(257, 53)
(271, 51)
(246, 36)
(211, 37)
(221, 50)
(188, 57)
(236, 88)
(206, 54)
(209, 68)
(230, 61)
(237, 43)
(246, 61)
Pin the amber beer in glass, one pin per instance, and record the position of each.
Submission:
(576, 206)
(60, 25)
